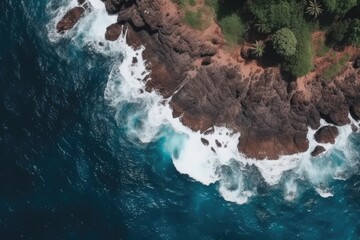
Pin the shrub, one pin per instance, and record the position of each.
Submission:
(336, 33)
(300, 63)
(232, 28)
(279, 15)
(284, 42)
(339, 7)
(272, 15)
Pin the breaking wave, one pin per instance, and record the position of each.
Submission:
(147, 117)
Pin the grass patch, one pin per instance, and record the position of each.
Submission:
(192, 2)
(198, 19)
(321, 48)
(334, 69)
(193, 19)
(232, 28)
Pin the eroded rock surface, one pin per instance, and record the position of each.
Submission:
(272, 114)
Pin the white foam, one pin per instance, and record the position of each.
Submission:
(151, 118)
(97, 4)
(325, 193)
(291, 190)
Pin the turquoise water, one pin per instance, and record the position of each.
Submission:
(72, 167)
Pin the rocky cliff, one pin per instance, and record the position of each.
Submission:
(210, 87)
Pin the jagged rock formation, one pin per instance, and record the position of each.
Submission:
(272, 114)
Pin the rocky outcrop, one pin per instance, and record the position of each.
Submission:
(317, 151)
(326, 134)
(113, 6)
(271, 113)
(113, 32)
(70, 19)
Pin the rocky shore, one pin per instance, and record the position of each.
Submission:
(209, 86)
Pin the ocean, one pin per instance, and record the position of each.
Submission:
(86, 153)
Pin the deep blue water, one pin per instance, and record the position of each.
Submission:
(69, 171)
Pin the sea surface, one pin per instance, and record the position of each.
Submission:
(85, 153)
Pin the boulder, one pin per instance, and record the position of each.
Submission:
(326, 134)
(113, 32)
(317, 151)
(113, 6)
(70, 19)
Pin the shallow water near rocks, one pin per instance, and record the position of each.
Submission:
(80, 161)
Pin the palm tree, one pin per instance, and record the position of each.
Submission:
(259, 48)
(262, 27)
(314, 8)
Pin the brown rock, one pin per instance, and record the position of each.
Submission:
(113, 32)
(113, 6)
(271, 146)
(206, 61)
(357, 62)
(326, 134)
(70, 19)
(317, 151)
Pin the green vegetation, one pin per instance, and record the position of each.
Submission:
(193, 19)
(339, 7)
(354, 32)
(283, 27)
(300, 63)
(214, 4)
(259, 48)
(284, 42)
(321, 47)
(232, 28)
(314, 9)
